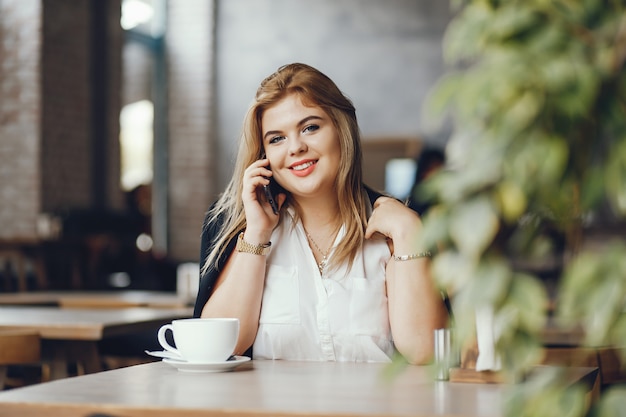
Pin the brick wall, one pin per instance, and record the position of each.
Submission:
(19, 117)
(114, 41)
(66, 118)
(69, 137)
(190, 70)
(46, 121)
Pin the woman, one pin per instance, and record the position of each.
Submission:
(336, 273)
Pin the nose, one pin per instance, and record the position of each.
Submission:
(296, 145)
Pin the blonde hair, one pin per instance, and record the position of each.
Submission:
(315, 89)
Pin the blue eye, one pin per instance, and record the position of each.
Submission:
(276, 139)
(310, 128)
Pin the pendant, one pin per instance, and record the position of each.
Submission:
(322, 265)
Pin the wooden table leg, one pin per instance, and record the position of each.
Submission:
(54, 359)
(88, 357)
(59, 354)
(3, 376)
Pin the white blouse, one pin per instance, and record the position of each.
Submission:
(340, 316)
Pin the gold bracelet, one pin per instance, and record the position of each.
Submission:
(418, 255)
(243, 246)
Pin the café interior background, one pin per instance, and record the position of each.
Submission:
(119, 118)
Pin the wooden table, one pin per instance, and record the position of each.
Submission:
(566, 346)
(258, 388)
(96, 299)
(71, 335)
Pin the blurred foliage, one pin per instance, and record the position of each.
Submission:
(547, 395)
(537, 95)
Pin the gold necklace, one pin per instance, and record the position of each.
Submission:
(321, 265)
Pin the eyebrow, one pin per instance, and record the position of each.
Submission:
(300, 123)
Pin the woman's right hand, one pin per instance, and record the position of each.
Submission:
(260, 217)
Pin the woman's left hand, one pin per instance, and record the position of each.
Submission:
(392, 219)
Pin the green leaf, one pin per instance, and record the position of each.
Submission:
(452, 270)
(465, 36)
(435, 228)
(580, 91)
(617, 333)
(602, 302)
(491, 283)
(512, 200)
(473, 226)
(578, 281)
(529, 301)
(553, 153)
(615, 177)
(593, 292)
(523, 111)
(527, 353)
(592, 188)
(613, 402)
(546, 394)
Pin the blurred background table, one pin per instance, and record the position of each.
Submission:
(71, 335)
(96, 299)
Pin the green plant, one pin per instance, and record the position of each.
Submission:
(537, 96)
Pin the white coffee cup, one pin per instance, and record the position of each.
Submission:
(201, 340)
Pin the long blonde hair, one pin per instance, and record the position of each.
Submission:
(315, 89)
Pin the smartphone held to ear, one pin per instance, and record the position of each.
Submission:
(272, 190)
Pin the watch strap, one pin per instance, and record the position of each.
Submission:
(247, 247)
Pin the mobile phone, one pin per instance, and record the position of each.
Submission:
(270, 191)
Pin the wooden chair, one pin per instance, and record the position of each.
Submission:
(18, 253)
(612, 364)
(608, 359)
(17, 347)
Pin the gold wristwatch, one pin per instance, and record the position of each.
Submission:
(243, 246)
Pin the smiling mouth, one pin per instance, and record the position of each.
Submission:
(303, 166)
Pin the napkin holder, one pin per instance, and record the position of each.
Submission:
(480, 362)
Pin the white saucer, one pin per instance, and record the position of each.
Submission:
(185, 366)
(164, 354)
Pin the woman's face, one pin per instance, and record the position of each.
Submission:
(302, 146)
